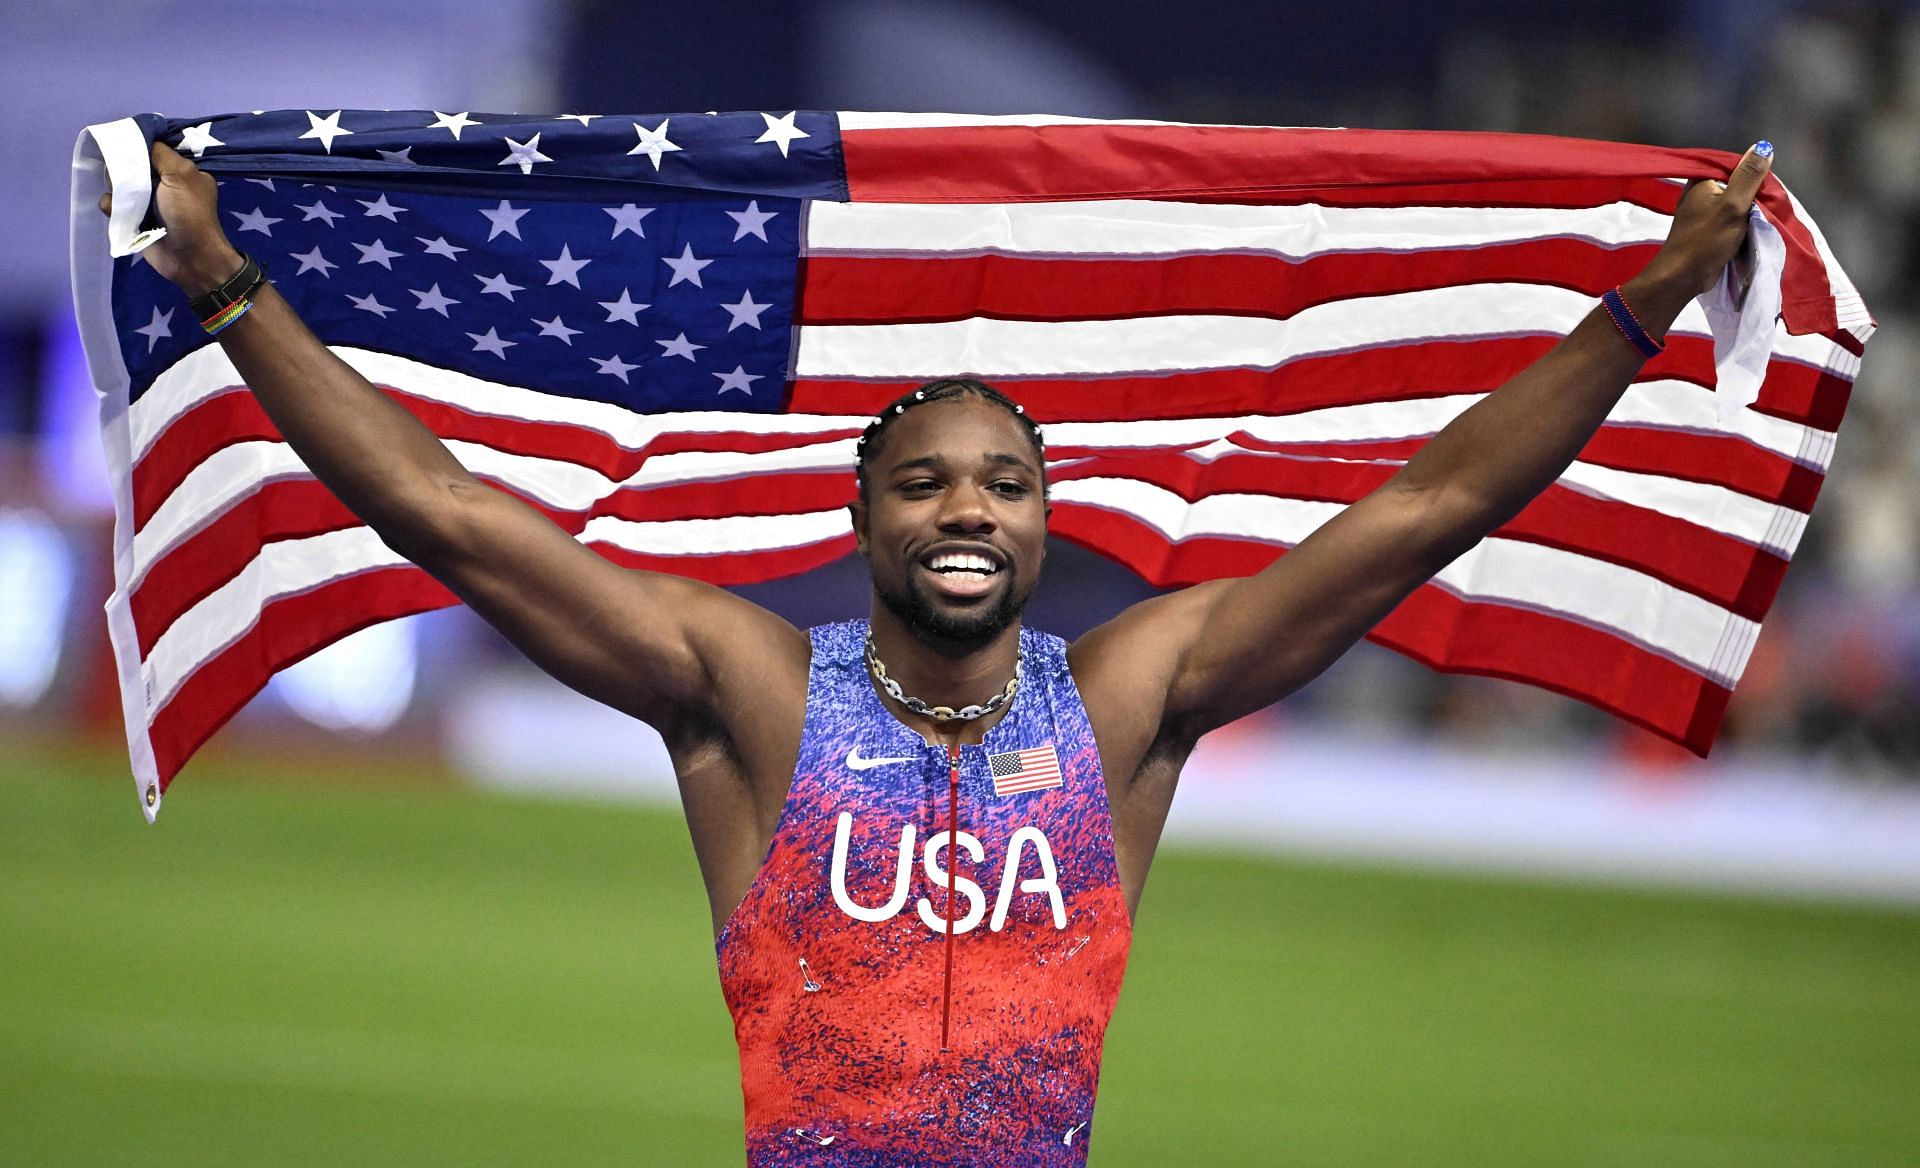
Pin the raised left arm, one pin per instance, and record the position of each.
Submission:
(1232, 647)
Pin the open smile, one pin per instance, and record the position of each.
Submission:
(962, 573)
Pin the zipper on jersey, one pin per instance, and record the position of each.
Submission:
(953, 865)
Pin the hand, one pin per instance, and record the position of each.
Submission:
(195, 253)
(1710, 226)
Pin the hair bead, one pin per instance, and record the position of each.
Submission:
(943, 389)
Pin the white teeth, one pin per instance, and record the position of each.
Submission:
(963, 562)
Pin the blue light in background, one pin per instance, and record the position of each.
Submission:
(73, 464)
(361, 683)
(36, 582)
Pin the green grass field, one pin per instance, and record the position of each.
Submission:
(312, 968)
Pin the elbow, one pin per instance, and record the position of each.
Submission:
(1447, 520)
(430, 523)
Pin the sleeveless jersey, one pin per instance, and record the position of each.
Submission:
(871, 1035)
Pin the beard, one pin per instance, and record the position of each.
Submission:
(953, 633)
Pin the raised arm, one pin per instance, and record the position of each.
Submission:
(664, 649)
(1181, 665)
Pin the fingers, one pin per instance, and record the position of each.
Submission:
(1743, 185)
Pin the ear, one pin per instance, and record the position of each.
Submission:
(857, 512)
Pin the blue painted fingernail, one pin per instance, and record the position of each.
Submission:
(1763, 148)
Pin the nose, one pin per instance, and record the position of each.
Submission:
(966, 509)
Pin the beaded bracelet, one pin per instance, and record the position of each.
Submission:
(231, 300)
(1629, 324)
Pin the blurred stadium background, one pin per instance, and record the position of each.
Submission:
(416, 904)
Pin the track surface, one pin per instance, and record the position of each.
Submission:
(325, 966)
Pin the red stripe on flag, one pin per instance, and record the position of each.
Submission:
(1720, 568)
(299, 507)
(1242, 163)
(288, 629)
(1402, 372)
(1442, 631)
(234, 416)
(218, 552)
(220, 421)
(849, 289)
(1715, 459)
(736, 568)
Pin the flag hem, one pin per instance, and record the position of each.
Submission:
(113, 155)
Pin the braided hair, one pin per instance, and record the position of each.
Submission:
(944, 389)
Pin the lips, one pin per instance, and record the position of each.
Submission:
(962, 572)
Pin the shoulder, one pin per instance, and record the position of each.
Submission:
(1125, 668)
(754, 667)
(1147, 637)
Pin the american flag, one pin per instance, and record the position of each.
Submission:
(1019, 771)
(665, 332)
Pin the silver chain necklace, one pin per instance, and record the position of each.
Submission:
(938, 713)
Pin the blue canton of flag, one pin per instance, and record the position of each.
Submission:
(638, 281)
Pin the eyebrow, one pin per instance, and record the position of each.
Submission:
(933, 460)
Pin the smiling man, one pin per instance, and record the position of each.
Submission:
(924, 835)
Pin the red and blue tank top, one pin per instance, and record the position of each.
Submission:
(903, 999)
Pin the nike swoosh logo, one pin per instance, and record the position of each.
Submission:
(856, 763)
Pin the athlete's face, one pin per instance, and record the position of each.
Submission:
(955, 522)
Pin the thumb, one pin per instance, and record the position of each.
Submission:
(168, 161)
(1743, 185)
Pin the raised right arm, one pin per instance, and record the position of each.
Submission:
(676, 653)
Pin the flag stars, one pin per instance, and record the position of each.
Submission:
(564, 268)
(558, 328)
(679, 346)
(441, 247)
(326, 129)
(739, 379)
(623, 309)
(370, 303)
(403, 156)
(745, 312)
(498, 285)
(781, 131)
(505, 219)
(685, 268)
(653, 143)
(491, 342)
(432, 300)
(377, 252)
(452, 123)
(381, 209)
(524, 154)
(314, 261)
(197, 140)
(614, 366)
(255, 220)
(583, 119)
(627, 217)
(157, 329)
(752, 221)
(318, 209)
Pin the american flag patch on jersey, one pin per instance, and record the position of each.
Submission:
(1025, 770)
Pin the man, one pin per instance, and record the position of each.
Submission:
(924, 836)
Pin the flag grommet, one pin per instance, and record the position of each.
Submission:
(153, 796)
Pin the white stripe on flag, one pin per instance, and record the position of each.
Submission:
(1152, 227)
(1668, 620)
(986, 347)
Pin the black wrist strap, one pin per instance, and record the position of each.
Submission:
(236, 288)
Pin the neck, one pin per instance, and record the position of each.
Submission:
(943, 674)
